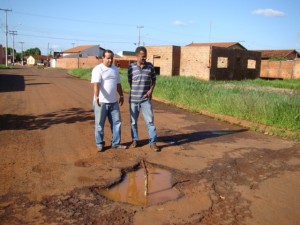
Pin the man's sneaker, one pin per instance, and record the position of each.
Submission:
(100, 148)
(154, 147)
(134, 144)
(119, 147)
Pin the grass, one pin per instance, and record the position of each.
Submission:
(84, 74)
(250, 100)
(287, 84)
(2, 66)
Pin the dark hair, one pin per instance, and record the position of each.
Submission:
(108, 51)
(140, 48)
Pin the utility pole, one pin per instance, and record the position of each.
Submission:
(139, 27)
(22, 42)
(6, 33)
(13, 33)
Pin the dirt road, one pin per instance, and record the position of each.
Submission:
(50, 172)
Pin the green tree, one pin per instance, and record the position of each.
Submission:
(10, 51)
(32, 51)
(18, 56)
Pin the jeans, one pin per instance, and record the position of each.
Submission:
(112, 111)
(146, 107)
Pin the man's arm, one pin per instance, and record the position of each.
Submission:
(120, 92)
(96, 92)
(153, 82)
(129, 75)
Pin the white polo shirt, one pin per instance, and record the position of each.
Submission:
(108, 77)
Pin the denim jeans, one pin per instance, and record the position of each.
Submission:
(146, 107)
(112, 112)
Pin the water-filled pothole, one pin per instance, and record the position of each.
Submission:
(149, 185)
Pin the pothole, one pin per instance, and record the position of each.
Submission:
(147, 185)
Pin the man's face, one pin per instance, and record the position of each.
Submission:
(141, 57)
(108, 59)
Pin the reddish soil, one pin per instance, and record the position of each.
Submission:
(51, 173)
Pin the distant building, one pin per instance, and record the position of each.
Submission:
(231, 45)
(206, 61)
(289, 54)
(83, 51)
(37, 60)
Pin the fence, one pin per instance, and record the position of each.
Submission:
(280, 69)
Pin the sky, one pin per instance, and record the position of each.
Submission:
(120, 25)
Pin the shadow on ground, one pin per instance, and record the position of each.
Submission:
(10, 83)
(44, 121)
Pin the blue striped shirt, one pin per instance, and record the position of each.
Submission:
(140, 80)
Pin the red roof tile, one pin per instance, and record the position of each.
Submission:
(276, 53)
(78, 49)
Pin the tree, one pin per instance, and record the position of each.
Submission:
(18, 56)
(32, 51)
(10, 51)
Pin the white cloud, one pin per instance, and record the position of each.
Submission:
(268, 12)
(182, 23)
(179, 23)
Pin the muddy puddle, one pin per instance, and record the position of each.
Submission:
(146, 186)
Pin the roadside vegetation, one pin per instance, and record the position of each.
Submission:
(3, 66)
(274, 103)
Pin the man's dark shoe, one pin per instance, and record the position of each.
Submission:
(100, 148)
(119, 147)
(154, 147)
(134, 144)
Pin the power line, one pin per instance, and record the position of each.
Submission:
(68, 39)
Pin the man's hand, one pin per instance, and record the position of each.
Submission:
(97, 100)
(121, 100)
(149, 94)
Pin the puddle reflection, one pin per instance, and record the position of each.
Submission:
(132, 188)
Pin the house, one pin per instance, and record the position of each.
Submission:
(124, 58)
(206, 61)
(126, 55)
(83, 51)
(30, 60)
(278, 68)
(290, 54)
(37, 60)
(231, 45)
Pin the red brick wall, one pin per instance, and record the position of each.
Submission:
(240, 64)
(2, 55)
(73, 63)
(195, 61)
(168, 60)
(280, 69)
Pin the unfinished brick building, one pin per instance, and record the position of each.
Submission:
(206, 61)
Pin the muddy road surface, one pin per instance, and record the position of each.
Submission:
(51, 173)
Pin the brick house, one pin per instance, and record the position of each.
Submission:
(280, 69)
(85, 56)
(206, 61)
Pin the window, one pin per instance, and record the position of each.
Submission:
(251, 64)
(222, 62)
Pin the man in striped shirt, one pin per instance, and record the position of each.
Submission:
(142, 79)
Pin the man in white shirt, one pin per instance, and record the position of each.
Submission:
(106, 80)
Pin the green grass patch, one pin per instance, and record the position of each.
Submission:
(2, 66)
(259, 101)
(286, 84)
(84, 74)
